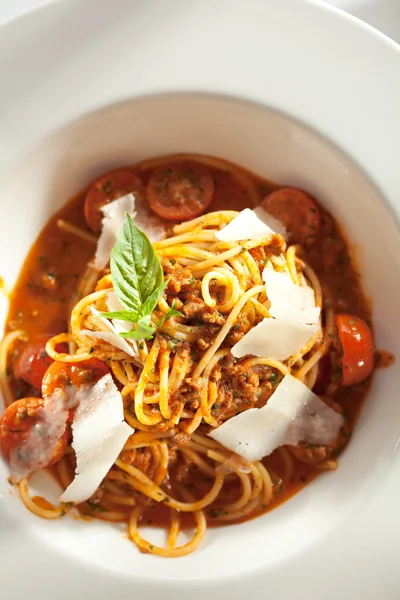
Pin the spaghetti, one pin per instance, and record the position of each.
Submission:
(184, 382)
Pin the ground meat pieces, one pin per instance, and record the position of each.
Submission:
(190, 392)
(241, 375)
(310, 454)
(245, 383)
(142, 459)
(193, 308)
(168, 266)
(238, 330)
(214, 317)
(190, 299)
(207, 336)
(181, 280)
(229, 403)
(194, 383)
(180, 439)
(198, 309)
(258, 254)
(240, 386)
(237, 387)
(261, 254)
(276, 246)
(216, 374)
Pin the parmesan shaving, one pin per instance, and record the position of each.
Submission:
(289, 301)
(293, 414)
(114, 326)
(295, 320)
(99, 434)
(275, 338)
(40, 442)
(152, 225)
(114, 216)
(271, 221)
(113, 220)
(114, 305)
(112, 338)
(251, 225)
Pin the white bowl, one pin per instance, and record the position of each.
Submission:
(296, 92)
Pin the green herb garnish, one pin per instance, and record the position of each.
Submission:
(138, 281)
(172, 312)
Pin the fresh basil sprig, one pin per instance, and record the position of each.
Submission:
(138, 281)
(144, 330)
(172, 312)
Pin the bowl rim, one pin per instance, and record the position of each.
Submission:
(383, 133)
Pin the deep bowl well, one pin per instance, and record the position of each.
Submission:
(280, 149)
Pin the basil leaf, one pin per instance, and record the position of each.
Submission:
(152, 300)
(144, 330)
(120, 315)
(136, 270)
(170, 313)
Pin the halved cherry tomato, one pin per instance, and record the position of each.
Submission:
(297, 211)
(358, 352)
(64, 375)
(105, 190)
(34, 362)
(180, 191)
(17, 422)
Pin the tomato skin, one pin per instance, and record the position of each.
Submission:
(358, 352)
(16, 423)
(34, 361)
(61, 374)
(297, 211)
(105, 190)
(180, 191)
(22, 415)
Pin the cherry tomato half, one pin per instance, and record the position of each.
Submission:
(105, 190)
(16, 424)
(64, 375)
(180, 191)
(358, 352)
(297, 211)
(34, 362)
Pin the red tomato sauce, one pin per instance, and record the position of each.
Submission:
(40, 299)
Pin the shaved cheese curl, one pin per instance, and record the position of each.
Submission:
(99, 434)
(250, 225)
(292, 414)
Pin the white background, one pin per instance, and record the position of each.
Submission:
(382, 14)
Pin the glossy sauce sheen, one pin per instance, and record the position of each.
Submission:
(39, 301)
